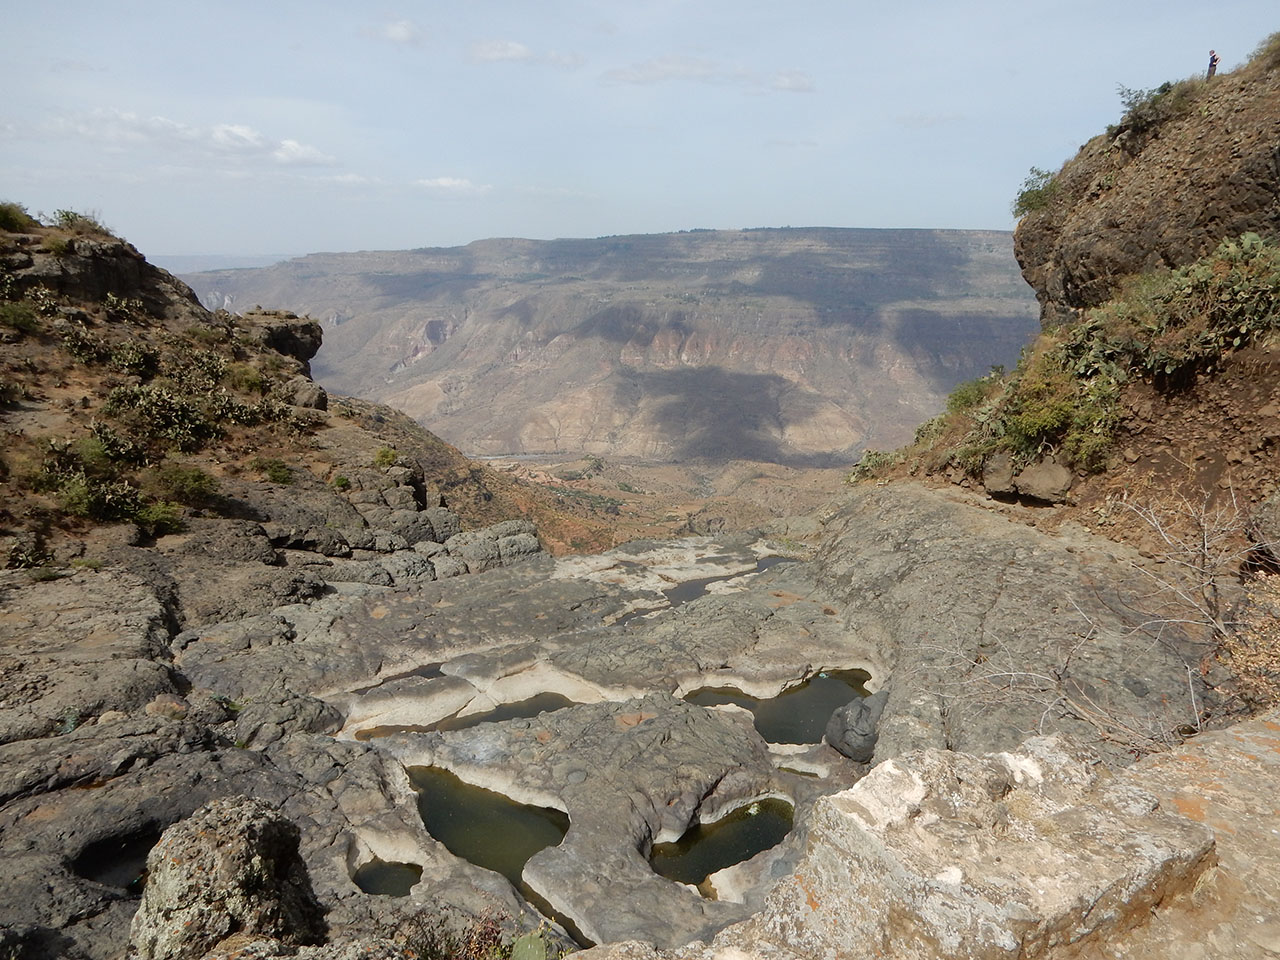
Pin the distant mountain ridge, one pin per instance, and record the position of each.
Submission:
(794, 345)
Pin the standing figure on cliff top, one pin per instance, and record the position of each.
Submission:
(1213, 64)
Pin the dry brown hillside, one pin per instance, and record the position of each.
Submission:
(123, 400)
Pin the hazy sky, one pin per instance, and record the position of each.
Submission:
(287, 127)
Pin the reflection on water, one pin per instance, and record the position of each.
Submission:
(481, 826)
(798, 715)
(706, 848)
(522, 709)
(387, 878)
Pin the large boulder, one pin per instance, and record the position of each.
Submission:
(852, 728)
(232, 867)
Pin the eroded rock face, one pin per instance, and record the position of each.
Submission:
(1131, 204)
(939, 855)
(233, 867)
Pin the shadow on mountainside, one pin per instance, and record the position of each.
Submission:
(721, 414)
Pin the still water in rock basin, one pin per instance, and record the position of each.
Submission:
(798, 715)
(387, 878)
(520, 710)
(706, 848)
(484, 827)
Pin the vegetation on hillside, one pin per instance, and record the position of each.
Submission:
(1064, 396)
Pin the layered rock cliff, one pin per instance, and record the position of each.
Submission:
(791, 346)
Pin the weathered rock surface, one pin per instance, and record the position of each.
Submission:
(852, 728)
(1128, 203)
(937, 854)
(232, 867)
(988, 629)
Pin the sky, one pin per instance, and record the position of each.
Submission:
(281, 127)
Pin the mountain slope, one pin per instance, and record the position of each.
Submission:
(791, 346)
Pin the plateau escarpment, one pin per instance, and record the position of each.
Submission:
(796, 346)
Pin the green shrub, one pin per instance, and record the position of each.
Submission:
(1035, 193)
(1267, 56)
(1145, 110)
(184, 484)
(970, 393)
(872, 462)
(340, 482)
(245, 378)
(159, 519)
(122, 309)
(116, 448)
(1166, 327)
(277, 471)
(85, 224)
(60, 247)
(84, 346)
(134, 357)
(158, 416)
(15, 219)
(83, 496)
(386, 457)
(19, 315)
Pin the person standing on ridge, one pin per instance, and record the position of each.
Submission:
(1213, 64)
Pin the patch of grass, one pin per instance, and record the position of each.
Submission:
(182, 484)
(245, 378)
(1267, 56)
(15, 219)
(386, 457)
(19, 315)
(276, 471)
(83, 224)
(60, 247)
(872, 462)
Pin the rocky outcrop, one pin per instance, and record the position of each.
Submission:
(1132, 201)
(232, 867)
(1025, 854)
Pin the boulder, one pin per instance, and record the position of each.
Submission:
(852, 728)
(997, 475)
(232, 867)
(1046, 480)
(305, 392)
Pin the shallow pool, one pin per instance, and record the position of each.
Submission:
(706, 848)
(798, 715)
(484, 827)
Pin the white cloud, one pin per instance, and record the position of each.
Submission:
(237, 138)
(496, 50)
(403, 31)
(793, 81)
(295, 154)
(121, 128)
(455, 186)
